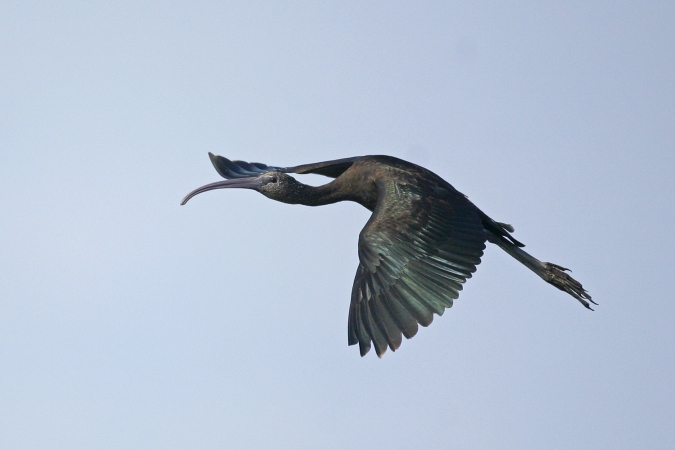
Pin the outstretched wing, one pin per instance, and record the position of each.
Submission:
(242, 169)
(239, 169)
(332, 169)
(418, 248)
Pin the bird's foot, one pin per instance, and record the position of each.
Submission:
(555, 275)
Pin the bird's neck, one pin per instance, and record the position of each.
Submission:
(320, 195)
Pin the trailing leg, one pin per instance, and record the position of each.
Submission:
(549, 272)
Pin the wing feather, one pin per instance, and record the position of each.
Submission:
(332, 169)
(241, 169)
(416, 251)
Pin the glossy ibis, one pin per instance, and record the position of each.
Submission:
(423, 240)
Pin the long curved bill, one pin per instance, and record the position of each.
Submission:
(244, 183)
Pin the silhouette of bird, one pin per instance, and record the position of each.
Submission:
(423, 240)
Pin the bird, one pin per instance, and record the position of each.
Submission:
(423, 240)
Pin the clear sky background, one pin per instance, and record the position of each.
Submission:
(128, 321)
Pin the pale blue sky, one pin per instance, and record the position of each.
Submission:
(127, 321)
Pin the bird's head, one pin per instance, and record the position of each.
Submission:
(279, 186)
(275, 185)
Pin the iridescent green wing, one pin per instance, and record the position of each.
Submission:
(416, 251)
(242, 169)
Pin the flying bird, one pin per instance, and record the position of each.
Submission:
(422, 242)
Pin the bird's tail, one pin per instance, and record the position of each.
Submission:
(549, 272)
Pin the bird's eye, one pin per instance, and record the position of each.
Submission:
(273, 179)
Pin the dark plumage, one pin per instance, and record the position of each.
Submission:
(423, 240)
